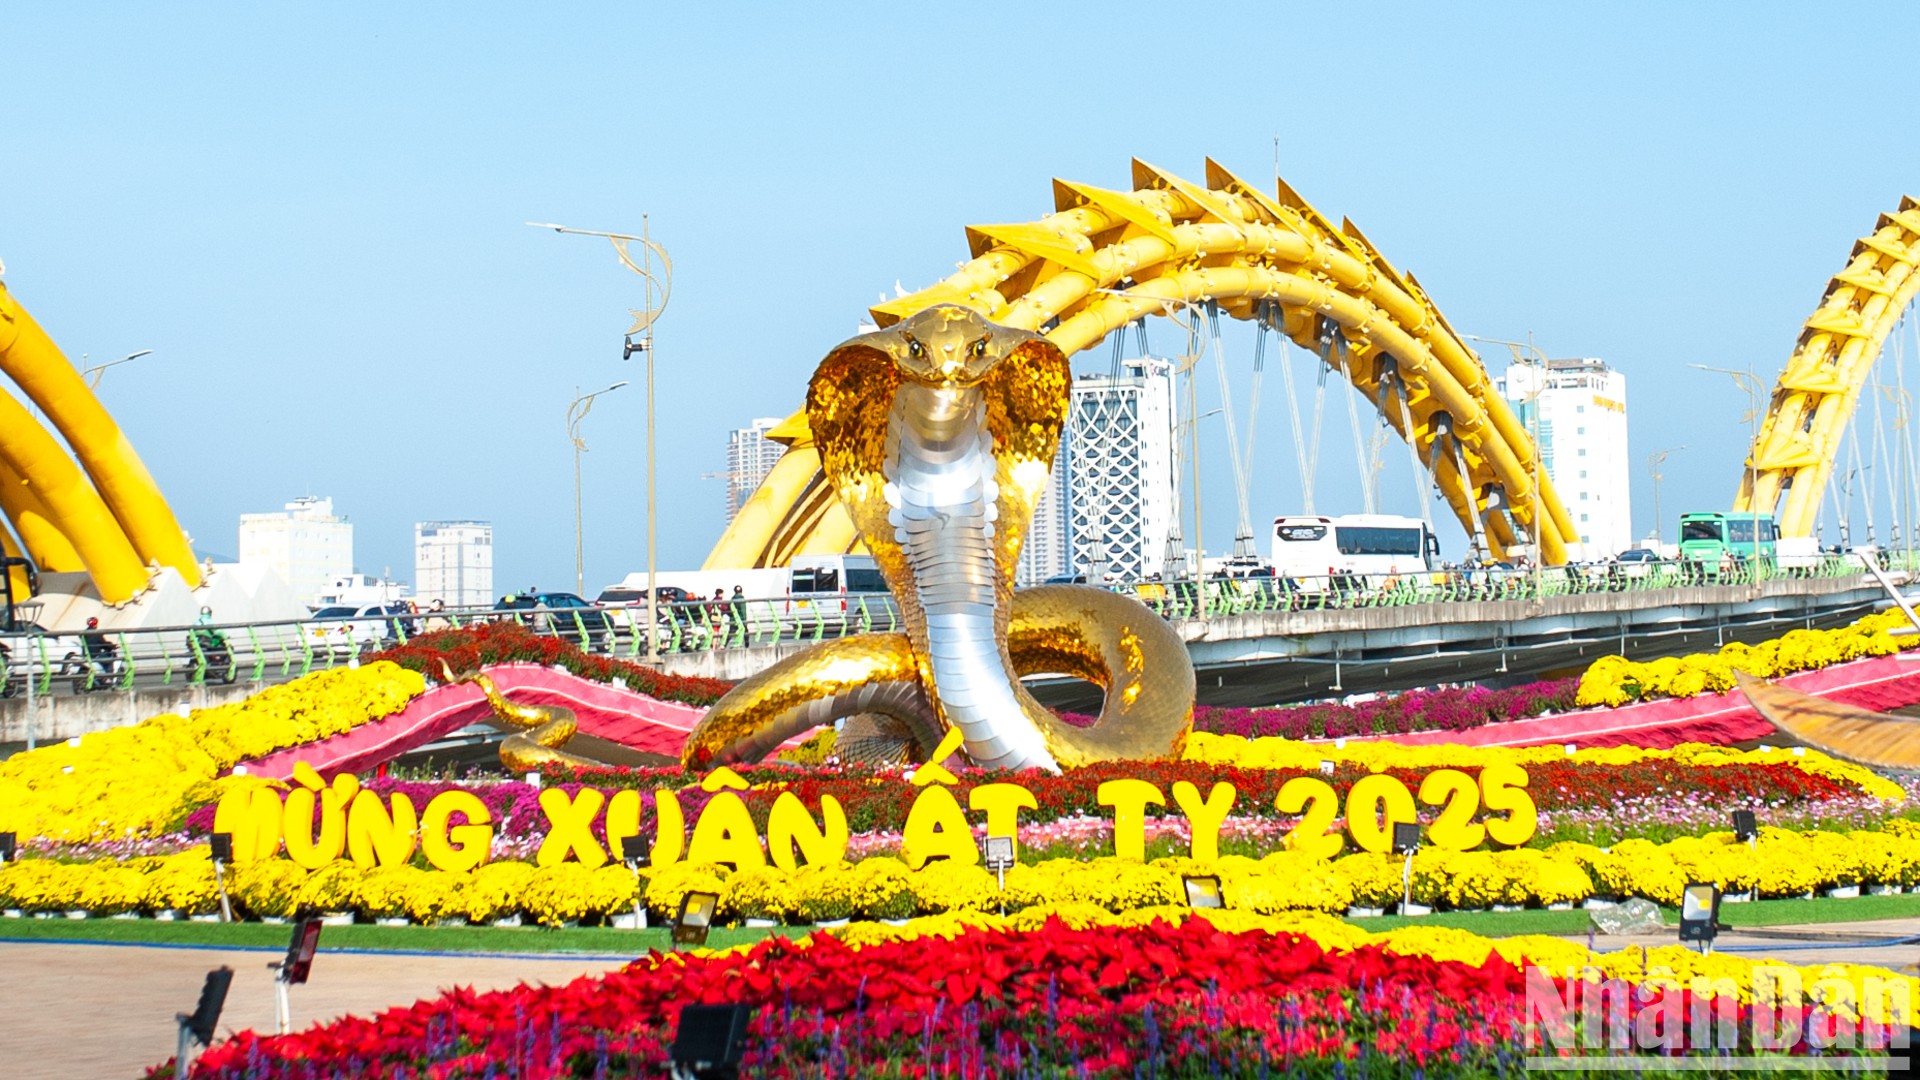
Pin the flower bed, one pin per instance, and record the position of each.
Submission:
(1452, 709)
(141, 780)
(1781, 864)
(470, 648)
(1050, 996)
(1615, 680)
(1610, 682)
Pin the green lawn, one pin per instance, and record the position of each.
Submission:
(488, 939)
(476, 939)
(1757, 913)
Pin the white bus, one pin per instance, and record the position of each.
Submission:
(1373, 547)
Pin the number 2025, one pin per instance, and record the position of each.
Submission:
(1376, 802)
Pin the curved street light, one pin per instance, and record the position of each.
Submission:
(577, 412)
(1654, 461)
(97, 371)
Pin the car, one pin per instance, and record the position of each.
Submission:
(560, 613)
(346, 629)
(1635, 563)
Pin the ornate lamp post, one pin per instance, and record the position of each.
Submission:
(639, 338)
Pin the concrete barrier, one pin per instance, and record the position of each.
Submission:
(66, 716)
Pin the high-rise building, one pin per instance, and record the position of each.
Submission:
(305, 544)
(1578, 408)
(1049, 542)
(1120, 496)
(453, 562)
(750, 457)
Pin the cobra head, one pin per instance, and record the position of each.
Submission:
(948, 346)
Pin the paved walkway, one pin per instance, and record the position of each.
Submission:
(1801, 945)
(106, 1011)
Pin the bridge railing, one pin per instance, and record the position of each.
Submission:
(34, 661)
(38, 662)
(1239, 595)
(44, 663)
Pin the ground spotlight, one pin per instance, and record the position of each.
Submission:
(695, 918)
(999, 859)
(293, 970)
(1700, 914)
(7, 847)
(220, 846)
(1406, 837)
(709, 1040)
(198, 1026)
(1406, 841)
(1745, 828)
(1203, 891)
(633, 851)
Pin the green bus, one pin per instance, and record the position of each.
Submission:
(1712, 543)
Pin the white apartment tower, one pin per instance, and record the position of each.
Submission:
(750, 457)
(305, 544)
(453, 562)
(1120, 495)
(1579, 410)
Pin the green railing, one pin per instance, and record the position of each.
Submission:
(43, 663)
(1234, 596)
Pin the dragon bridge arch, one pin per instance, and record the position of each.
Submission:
(1105, 259)
(95, 510)
(1794, 450)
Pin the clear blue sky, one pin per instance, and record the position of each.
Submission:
(313, 215)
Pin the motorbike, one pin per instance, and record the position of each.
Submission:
(213, 651)
(94, 669)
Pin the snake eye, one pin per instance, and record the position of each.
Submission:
(979, 348)
(914, 348)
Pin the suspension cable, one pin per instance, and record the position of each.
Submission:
(1321, 375)
(1413, 451)
(1377, 439)
(1840, 511)
(1253, 415)
(1300, 459)
(1883, 456)
(1244, 527)
(1473, 510)
(1866, 482)
(1353, 419)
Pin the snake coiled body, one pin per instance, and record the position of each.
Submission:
(937, 434)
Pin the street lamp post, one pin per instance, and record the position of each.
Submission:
(1746, 380)
(639, 338)
(576, 413)
(94, 374)
(1654, 461)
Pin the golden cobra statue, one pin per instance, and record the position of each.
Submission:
(938, 434)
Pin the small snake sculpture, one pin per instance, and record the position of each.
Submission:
(547, 728)
(938, 434)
